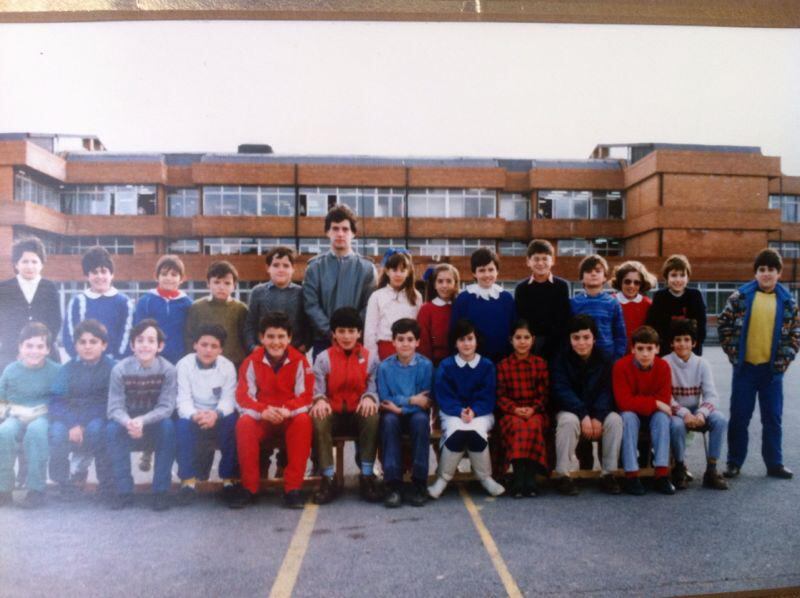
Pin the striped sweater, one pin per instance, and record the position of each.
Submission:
(114, 310)
(146, 392)
(693, 389)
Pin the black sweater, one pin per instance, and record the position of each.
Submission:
(545, 305)
(667, 307)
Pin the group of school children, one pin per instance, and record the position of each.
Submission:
(171, 376)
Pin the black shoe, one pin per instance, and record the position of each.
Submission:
(368, 488)
(229, 492)
(566, 486)
(732, 471)
(393, 498)
(663, 485)
(6, 499)
(121, 501)
(418, 495)
(34, 499)
(779, 472)
(161, 502)
(240, 497)
(610, 484)
(326, 492)
(146, 461)
(186, 496)
(633, 486)
(68, 492)
(712, 479)
(680, 476)
(294, 500)
(529, 488)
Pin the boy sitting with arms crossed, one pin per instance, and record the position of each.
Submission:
(345, 403)
(404, 385)
(643, 390)
(206, 407)
(694, 405)
(274, 395)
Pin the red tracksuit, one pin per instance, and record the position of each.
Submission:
(261, 387)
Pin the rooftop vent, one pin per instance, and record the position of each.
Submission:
(255, 148)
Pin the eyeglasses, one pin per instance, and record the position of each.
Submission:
(636, 283)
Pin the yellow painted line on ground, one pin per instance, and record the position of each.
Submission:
(512, 589)
(287, 574)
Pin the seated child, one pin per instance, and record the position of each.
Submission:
(631, 281)
(274, 396)
(465, 391)
(78, 408)
(206, 411)
(643, 390)
(141, 399)
(404, 385)
(24, 395)
(581, 382)
(694, 406)
(345, 403)
(523, 390)
(434, 315)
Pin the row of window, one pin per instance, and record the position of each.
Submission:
(788, 249)
(789, 205)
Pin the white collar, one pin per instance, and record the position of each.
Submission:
(623, 299)
(24, 282)
(473, 364)
(532, 280)
(440, 302)
(492, 292)
(92, 295)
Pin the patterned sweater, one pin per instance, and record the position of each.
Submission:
(693, 388)
(137, 391)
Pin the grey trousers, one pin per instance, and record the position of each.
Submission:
(568, 433)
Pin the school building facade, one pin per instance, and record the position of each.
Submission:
(719, 205)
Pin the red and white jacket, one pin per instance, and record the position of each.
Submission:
(261, 387)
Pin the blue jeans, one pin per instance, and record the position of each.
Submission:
(417, 425)
(659, 436)
(747, 381)
(94, 443)
(34, 446)
(160, 435)
(716, 425)
(222, 435)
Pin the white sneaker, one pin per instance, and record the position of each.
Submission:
(491, 487)
(435, 490)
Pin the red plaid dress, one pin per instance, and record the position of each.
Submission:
(523, 383)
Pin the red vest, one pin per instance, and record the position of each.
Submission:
(260, 387)
(347, 380)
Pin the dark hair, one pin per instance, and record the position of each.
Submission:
(139, 328)
(590, 262)
(430, 283)
(96, 257)
(521, 323)
(170, 262)
(648, 280)
(404, 325)
(676, 262)
(462, 328)
(34, 329)
(25, 245)
(340, 213)
(582, 322)
(683, 327)
(770, 258)
(395, 261)
(279, 251)
(275, 319)
(483, 256)
(540, 246)
(93, 327)
(215, 330)
(221, 269)
(645, 335)
(346, 317)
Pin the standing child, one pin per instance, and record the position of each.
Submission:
(601, 306)
(487, 305)
(434, 315)
(101, 302)
(24, 395)
(167, 305)
(220, 308)
(632, 281)
(759, 329)
(677, 302)
(396, 298)
(523, 388)
(465, 391)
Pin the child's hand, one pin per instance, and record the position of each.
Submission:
(597, 429)
(367, 407)
(523, 412)
(209, 419)
(391, 407)
(662, 406)
(700, 419)
(76, 435)
(135, 428)
(272, 415)
(321, 409)
(421, 400)
(467, 415)
(587, 430)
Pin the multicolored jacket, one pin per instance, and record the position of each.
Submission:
(733, 322)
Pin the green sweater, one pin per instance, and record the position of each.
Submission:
(231, 315)
(28, 387)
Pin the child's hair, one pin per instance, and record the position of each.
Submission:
(93, 327)
(648, 280)
(646, 336)
(221, 269)
(683, 327)
(280, 251)
(590, 262)
(96, 257)
(25, 245)
(462, 328)
(430, 284)
(170, 262)
(483, 256)
(215, 330)
(340, 213)
(404, 325)
(770, 258)
(33, 330)
(676, 262)
(139, 328)
(346, 317)
(521, 323)
(275, 319)
(582, 322)
(401, 261)
(540, 246)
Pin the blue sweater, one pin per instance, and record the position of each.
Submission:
(459, 387)
(171, 317)
(398, 383)
(582, 387)
(80, 392)
(114, 310)
(493, 319)
(607, 314)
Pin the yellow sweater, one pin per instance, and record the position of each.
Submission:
(760, 329)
